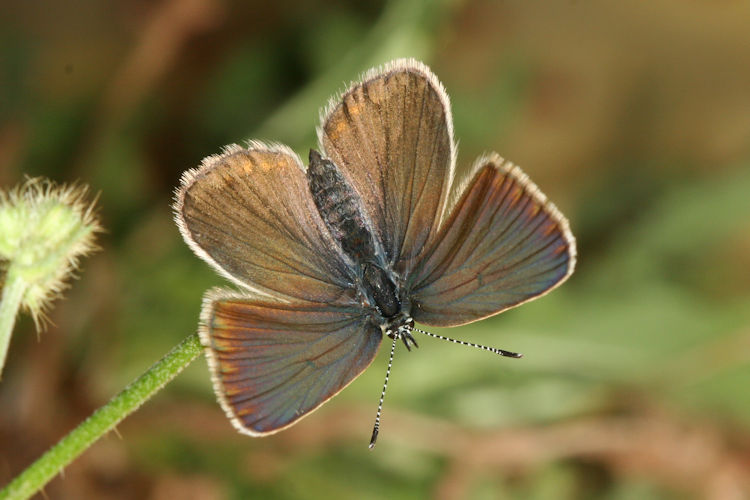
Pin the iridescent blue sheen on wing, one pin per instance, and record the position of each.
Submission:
(503, 244)
(274, 363)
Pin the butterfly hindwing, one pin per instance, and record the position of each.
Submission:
(273, 363)
(502, 244)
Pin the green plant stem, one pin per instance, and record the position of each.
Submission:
(102, 420)
(13, 290)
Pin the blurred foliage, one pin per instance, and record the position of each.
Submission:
(633, 117)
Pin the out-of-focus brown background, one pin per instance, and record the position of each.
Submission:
(633, 117)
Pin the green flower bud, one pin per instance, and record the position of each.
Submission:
(44, 230)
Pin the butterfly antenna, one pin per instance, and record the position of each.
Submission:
(376, 428)
(501, 352)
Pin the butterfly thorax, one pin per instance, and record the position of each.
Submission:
(341, 209)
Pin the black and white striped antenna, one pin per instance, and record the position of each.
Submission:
(404, 333)
(376, 428)
(501, 352)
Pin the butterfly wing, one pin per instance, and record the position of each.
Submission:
(273, 363)
(249, 213)
(502, 244)
(392, 135)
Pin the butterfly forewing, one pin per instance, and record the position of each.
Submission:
(392, 135)
(248, 212)
(273, 363)
(502, 244)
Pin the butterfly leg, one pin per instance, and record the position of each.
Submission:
(407, 337)
(403, 333)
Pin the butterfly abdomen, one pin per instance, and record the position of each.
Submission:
(340, 208)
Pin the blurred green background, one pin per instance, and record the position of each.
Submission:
(633, 117)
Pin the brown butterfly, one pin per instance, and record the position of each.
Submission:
(366, 240)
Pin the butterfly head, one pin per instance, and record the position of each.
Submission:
(401, 328)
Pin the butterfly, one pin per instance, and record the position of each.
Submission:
(368, 238)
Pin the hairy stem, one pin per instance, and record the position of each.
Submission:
(102, 420)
